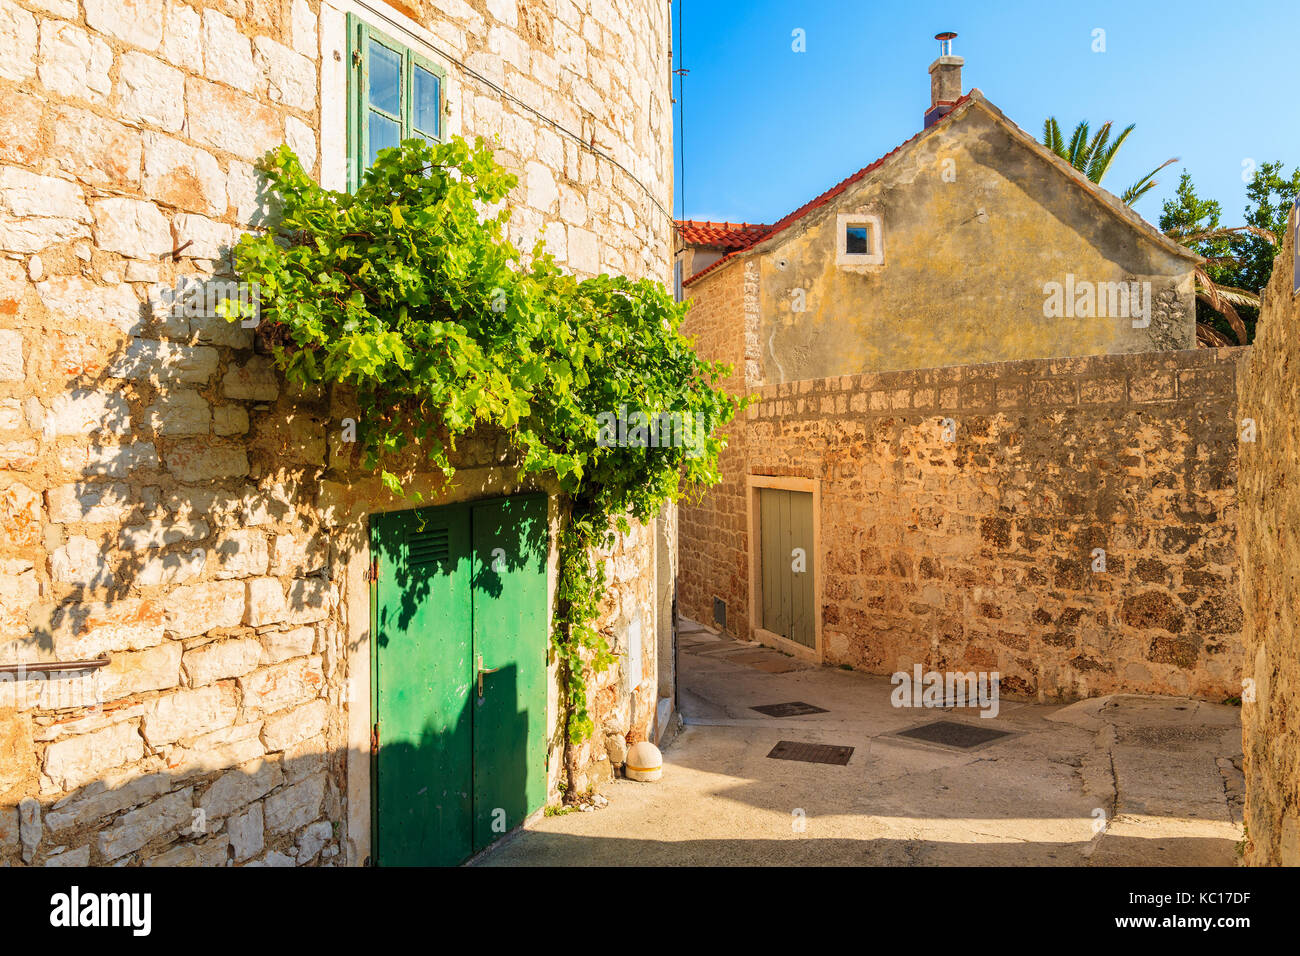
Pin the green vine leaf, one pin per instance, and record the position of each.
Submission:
(408, 293)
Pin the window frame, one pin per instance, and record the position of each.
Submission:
(875, 231)
(360, 35)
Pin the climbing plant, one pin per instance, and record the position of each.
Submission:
(408, 292)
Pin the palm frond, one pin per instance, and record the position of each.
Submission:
(1096, 147)
(1237, 296)
(1145, 184)
(1226, 232)
(1052, 136)
(1209, 293)
(1076, 153)
(1101, 160)
(1208, 337)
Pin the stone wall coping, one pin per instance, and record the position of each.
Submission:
(1125, 378)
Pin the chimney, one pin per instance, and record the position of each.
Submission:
(945, 80)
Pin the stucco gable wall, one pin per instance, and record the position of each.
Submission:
(975, 223)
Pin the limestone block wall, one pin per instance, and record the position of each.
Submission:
(712, 556)
(165, 498)
(1269, 499)
(979, 553)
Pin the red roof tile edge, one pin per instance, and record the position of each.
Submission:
(730, 235)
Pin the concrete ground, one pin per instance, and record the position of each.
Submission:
(1120, 780)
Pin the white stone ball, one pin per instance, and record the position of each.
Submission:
(644, 762)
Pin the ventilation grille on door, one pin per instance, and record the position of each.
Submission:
(428, 547)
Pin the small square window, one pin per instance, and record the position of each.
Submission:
(858, 241)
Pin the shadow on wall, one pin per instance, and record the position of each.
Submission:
(236, 769)
(178, 489)
(166, 493)
(281, 809)
(173, 523)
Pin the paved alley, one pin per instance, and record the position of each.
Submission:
(1121, 780)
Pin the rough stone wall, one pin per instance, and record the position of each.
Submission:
(978, 554)
(164, 497)
(1269, 499)
(711, 543)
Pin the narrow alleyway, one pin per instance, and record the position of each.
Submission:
(1120, 780)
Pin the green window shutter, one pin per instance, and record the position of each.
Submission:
(394, 94)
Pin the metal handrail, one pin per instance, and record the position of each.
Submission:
(40, 668)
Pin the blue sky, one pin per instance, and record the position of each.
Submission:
(767, 129)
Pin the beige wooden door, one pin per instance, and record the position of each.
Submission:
(786, 558)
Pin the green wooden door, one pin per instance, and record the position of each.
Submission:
(510, 545)
(786, 558)
(455, 585)
(421, 693)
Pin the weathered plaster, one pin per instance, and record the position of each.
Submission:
(975, 224)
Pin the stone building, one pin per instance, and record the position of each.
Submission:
(902, 264)
(167, 502)
(1269, 501)
(970, 450)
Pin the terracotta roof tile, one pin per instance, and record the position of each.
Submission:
(728, 235)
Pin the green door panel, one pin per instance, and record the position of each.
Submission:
(786, 524)
(803, 617)
(456, 584)
(422, 687)
(774, 560)
(510, 639)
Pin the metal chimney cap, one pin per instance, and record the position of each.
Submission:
(945, 42)
(945, 36)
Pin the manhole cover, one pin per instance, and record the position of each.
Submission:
(950, 733)
(811, 753)
(796, 708)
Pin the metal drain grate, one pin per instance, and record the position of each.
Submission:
(950, 733)
(796, 708)
(811, 753)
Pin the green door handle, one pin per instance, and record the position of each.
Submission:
(481, 671)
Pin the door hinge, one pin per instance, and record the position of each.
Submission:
(372, 573)
(374, 740)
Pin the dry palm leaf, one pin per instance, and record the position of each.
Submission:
(1208, 337)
